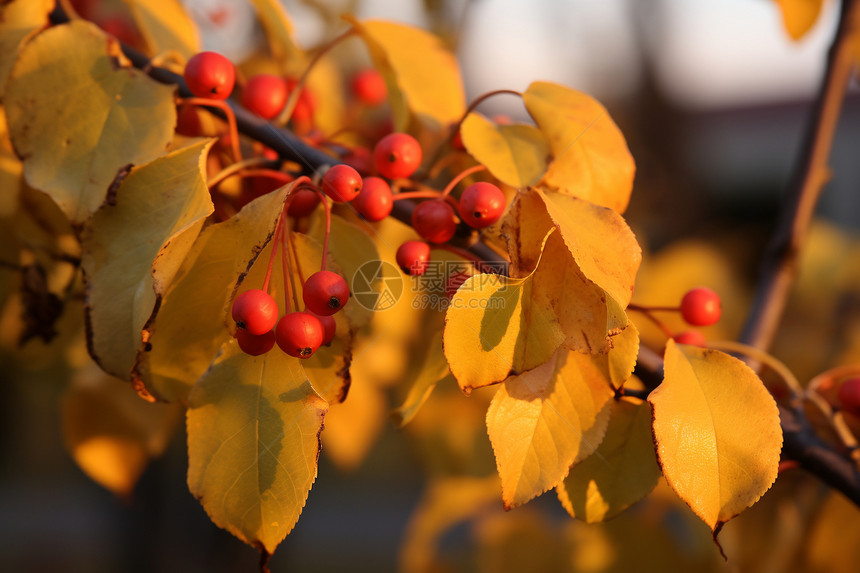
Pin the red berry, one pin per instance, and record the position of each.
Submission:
(374, 202)
(701, 307)
(209, 74)
(255, 311)
(188, 122)
(849, 395)
(397, 155)
(302, 203)
(691, 337)
(412, 257)
(306, 104)
(481, 205)
(329, 327)
(299, 334)
(359, 159)
(325, 292)
(368, 87)
(342, 183)
(434, 221)
(255, 344)
(265, 95)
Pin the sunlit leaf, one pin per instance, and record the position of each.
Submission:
(279, 30)
(798, 16)
(19, 19)
(422, 76)
(73, 147)
(433, 370)
(717, 432)
(446, 503)
(132, 249)
(497, 326)
(619, 473)
(11, 181)
(515, 154)
(165, 26)
(542, 421)
(601, 242)
(111, 432)
(253, 442)
(590, 157)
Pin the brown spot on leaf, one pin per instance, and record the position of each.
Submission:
(120, 176)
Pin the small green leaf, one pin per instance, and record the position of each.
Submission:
(253, 443)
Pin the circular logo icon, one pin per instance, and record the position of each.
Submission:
(377, 285)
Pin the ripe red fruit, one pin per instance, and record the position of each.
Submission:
(374, 202)
(849, 395)
(209, 74)
(359, 159)
(303, 203)
(481, 205)
(691, 337)
(341, 182)
(255, 311)
(255, 344)
(329, 327)
(701, 307)
(368, 87)
(397, 155)
(299, 334)
(434, 221)
(265, 95)
(306, 104)
(412, 257)
(325, 292)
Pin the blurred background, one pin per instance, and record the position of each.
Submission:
(713, 97)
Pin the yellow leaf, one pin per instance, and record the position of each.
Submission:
(542, 421)
(514, 154)
(717, 432)
(799, 16)
(133, 249)
(110, 432)
(446, 502)
(590, 156)
(73, 147)
(10, 172)
(190, 326)
(253, 442)
(279, 31)
(431, 371)
(619, 473)
(525, 226)
(165, 26)
(496, 326)
(19, 21)
(600, 241)
(421, 75)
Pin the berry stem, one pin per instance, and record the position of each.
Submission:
(231, 120)
(463, 174)
(295, 256)
(275, 240)
(289, 281)
(417, 195)
(327, 207)
(648, 308)
(239, 166)
(456, 128)
(660, 324)
(290, 106)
